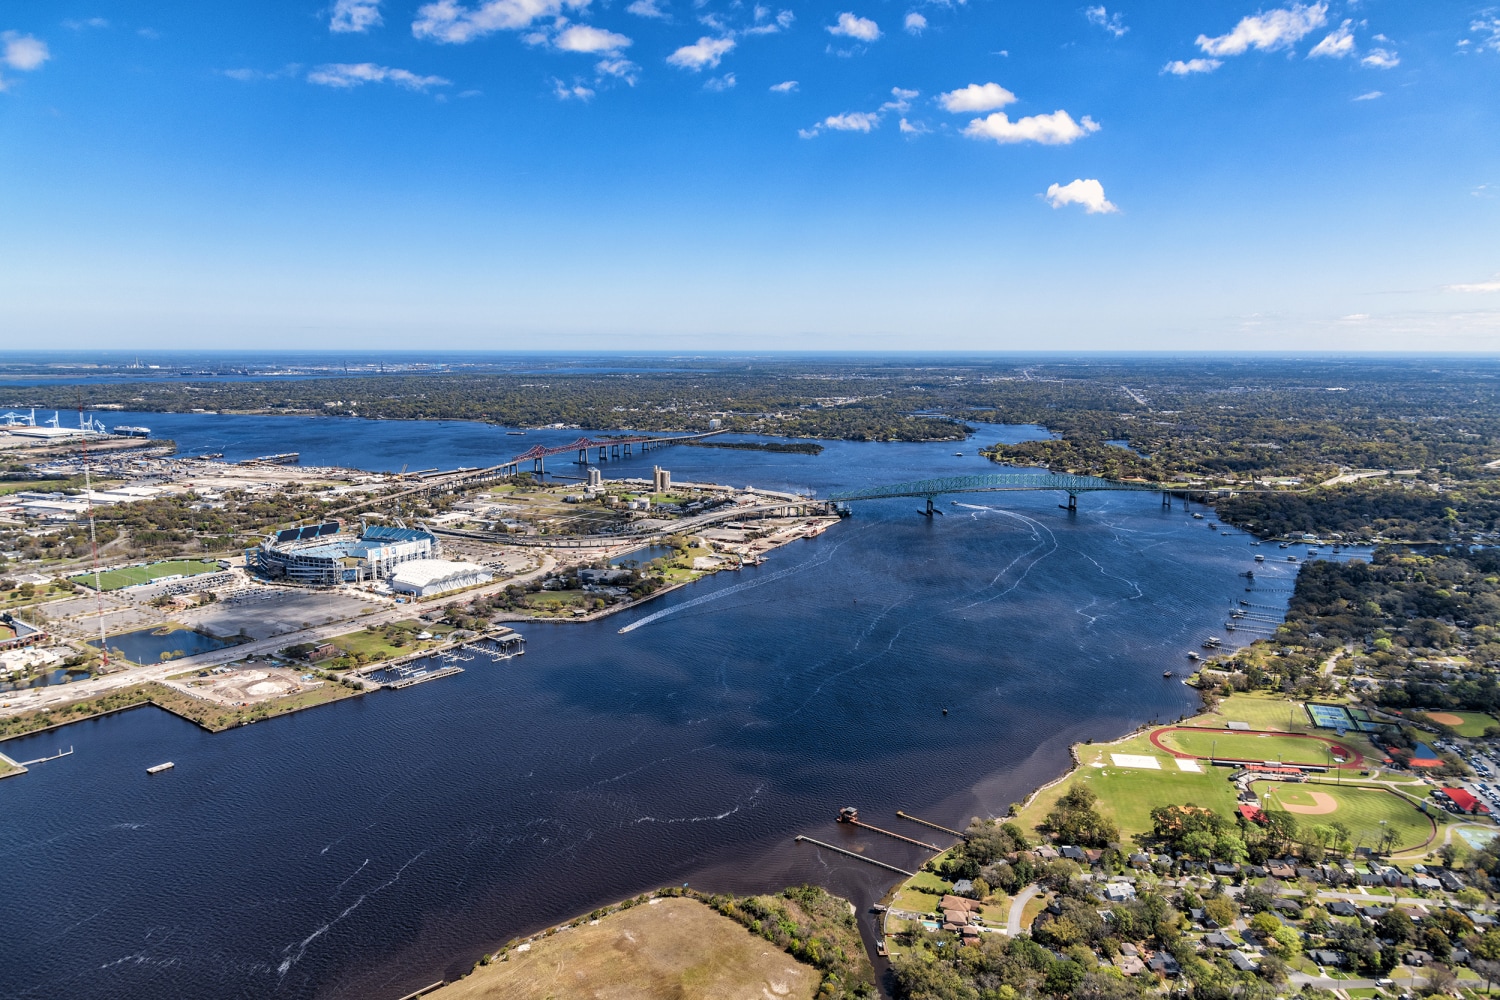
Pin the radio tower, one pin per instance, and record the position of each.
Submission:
(88, 496)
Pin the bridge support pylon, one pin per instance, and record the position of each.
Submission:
(931, 509)
(1072, 504)
(1166, 501)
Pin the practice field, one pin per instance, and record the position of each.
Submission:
(131, 575)
(1232, 745)
(1466, 724)
(677, 948)
(1360, 809)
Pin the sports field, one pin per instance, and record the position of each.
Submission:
(1360, 809)
(1466, 724)
(1289, 749)
(131, 575)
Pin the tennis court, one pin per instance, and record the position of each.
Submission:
(1330, 716)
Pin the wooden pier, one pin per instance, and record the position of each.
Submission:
(857, 857)
(906, 840)
(935, 826)
(43, 760)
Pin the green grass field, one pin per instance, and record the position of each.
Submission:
(1473, 724)
(376, 647)
(1360, 809)
(1247, 746)
(131, 575)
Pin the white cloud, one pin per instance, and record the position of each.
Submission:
(852, 121)
(705, 53)
(620, 69)
(1370, 96)
(93, 22)
(913, 128)
(449, 21)
(1381, 59)
(1179, 68)
(357, 16)
(977, 97)
(915, 23)
(577, 92)
(860, 28)
(784, 87)
(1336, 44)
(1269, 31)
(23, 52)
(1486, 28)
(1481, 287)
(646, 8)
(1056, 129)
(1112, 23)
(902, 102)
(766, 26)
(719, 84)
(587, 38)
(347, 75)
(1088, 193)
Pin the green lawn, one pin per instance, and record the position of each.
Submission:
(375, 645)
(131, 575)
(1474, 723)
(1248, 746)
(1361, 810)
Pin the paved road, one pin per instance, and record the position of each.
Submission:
(1017, 906)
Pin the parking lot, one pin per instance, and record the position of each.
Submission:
(262, 612)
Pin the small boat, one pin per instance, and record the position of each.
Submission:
(1168, 673)
(1285, 545)
(1291, 558)
(1212, 642)
(159, 768)
(1259, 557)
(515, 434)
(1197, 517)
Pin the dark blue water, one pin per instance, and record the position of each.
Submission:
(368, 848)
(640, 557)
(148, 644)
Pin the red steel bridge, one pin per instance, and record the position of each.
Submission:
(930, 489)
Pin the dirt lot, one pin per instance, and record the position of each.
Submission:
(676, 948)
(249, 685)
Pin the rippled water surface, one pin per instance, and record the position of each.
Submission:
(368, 848)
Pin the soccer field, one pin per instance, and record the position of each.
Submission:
(1466, 724)
(1251, 746)
(131, 575)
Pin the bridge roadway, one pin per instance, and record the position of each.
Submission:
(930, 489)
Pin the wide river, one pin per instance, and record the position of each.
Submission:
(368, 848)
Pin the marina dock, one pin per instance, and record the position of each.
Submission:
(422, 677)
(935, 826)
(857, 857)
(43, 760)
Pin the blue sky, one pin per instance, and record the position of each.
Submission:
(670, 174)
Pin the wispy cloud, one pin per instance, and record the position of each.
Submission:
(23, 52)
(1486, 31)
(913, 128)
(859, 28)
(348, 75)
(1381, 59)
(1056, 129)
(647, 8)
(1112, 23)
(1178, 67)
(914, 24)
(356, 16)
(1370, 95)
(1268, 31)
(1336, 44)
(574, 92)
(587, 38)
(705, 53)
(619, 68)
(719, 84)
(863, 121)
(784, 87)
(1479, 287)
(1086, 192)
(976, 97)
(454, 23)
(76, 24)
(765, 24)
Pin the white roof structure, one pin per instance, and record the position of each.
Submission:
(433, 576)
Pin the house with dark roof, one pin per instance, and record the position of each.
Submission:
(1242, 961)
(1218, 939)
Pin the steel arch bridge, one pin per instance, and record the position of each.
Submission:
(930, 489)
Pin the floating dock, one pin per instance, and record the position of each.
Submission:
(935, 826)
(43, 760)
(857, 857)
(423, 678)
(159, 768)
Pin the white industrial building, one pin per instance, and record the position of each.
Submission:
(425, 577)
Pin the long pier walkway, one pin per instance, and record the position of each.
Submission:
(859, 825)
(857, 857)
(935, 826)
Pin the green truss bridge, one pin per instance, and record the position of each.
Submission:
(930, 489)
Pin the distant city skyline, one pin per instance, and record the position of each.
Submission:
(703, 175)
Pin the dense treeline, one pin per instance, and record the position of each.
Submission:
(1374, 508)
